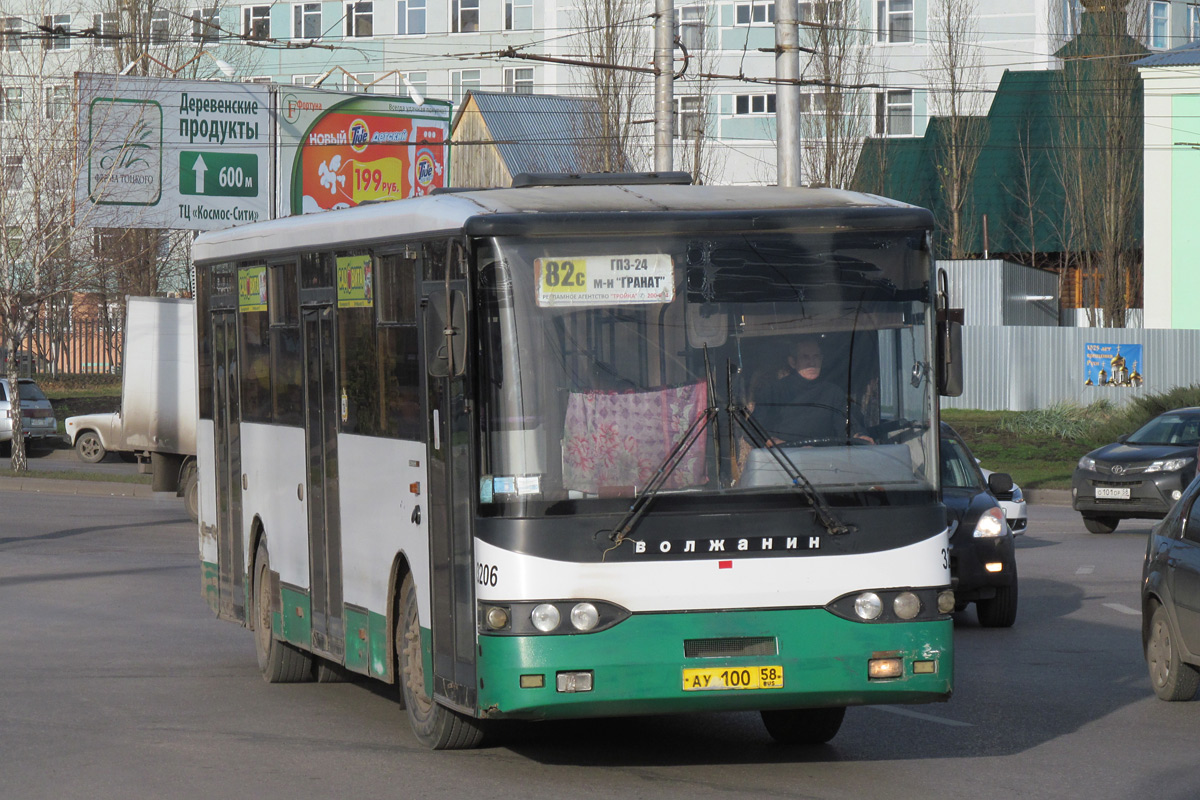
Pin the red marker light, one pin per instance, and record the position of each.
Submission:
(725, 565)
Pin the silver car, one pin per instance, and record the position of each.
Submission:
(37, 415)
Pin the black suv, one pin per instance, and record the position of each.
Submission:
(983, 562)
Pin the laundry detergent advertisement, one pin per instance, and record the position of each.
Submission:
(340, 151)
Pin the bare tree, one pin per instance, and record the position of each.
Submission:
(40, 245)
(1099, 160)
(956, 70)
(839, 109)
(617, 33)
(697, 42)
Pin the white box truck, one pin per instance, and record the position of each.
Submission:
(157, 421)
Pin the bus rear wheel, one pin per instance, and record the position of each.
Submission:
(279, 661)
(803, 725)
(435, 726)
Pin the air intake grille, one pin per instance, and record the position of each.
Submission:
(724, 648)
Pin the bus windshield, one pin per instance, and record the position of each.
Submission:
(728, 360)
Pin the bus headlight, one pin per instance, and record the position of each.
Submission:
(946, 601)
(584, 616)
(906, 605)
(497, 618)
(545, 617)
(868, 605)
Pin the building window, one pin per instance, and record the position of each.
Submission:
(687, 117)
(410, 17)
(11, 30)
(894, 113)
(894, 21)
(690, 27)
(1193, 22)
(256, 22)
(57, 102)
(206, 25)
(363, 82)
(10, 104)
(105, 26)
(1159, 19)
(60, 38)
(754, 13)
(461, 82)
(417, 81)
(518, 80)
(464, 16)
(360, 20)
(306, 21)
(14, 173)
(160, 28)
(518, 15)
(746, 104)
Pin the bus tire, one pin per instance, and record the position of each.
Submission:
(803, 725)
(435, 726)
(328, 672)
(279, 661)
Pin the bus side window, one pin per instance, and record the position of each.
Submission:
(287, 374)
(255, 358)
(399, 362)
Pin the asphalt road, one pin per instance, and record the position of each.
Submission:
(117, 683)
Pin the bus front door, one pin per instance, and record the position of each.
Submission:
(452, 589)
(231, 566)
(324, 520)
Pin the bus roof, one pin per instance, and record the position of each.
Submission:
(599, 208)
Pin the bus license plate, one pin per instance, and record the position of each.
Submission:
(714, 679)
(1109, 493)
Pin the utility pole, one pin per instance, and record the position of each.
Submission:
(664, 89)
(787, 93)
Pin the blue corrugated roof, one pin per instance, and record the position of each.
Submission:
(538, 132)
(1186, 55)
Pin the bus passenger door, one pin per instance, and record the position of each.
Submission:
(227, 417)
(451, 489)
(324, 525)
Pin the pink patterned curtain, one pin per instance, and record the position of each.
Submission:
(614, 441)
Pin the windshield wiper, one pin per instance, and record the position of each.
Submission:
(758, 437)
(641, 502)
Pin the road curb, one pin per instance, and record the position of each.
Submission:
(85, 488)
(1048, 497)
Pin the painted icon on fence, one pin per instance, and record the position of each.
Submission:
(1113, 365)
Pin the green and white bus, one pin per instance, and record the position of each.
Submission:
(499, 448)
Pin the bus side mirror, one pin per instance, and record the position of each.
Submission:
(949, 355)
(446, 343)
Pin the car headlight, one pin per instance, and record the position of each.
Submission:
(1169, 465)
(1087, 463)
(1017, 495)
(991, 524)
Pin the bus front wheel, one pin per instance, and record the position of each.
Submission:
(436, 726)
(279, 661)
(803, 725)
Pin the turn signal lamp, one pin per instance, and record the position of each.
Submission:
(994, 566)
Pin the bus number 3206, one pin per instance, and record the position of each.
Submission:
(486, 574)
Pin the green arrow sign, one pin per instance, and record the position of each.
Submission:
(218, 174)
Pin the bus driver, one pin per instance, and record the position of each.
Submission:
(800, 408)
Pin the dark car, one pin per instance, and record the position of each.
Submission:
(983, 562)
(1171, 600)
(1140, 476)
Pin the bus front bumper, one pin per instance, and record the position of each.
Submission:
(639, 666)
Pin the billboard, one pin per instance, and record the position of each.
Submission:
(1113, 365)
(340, 150)
(165, 153)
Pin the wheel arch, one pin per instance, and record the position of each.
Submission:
(400, 569)
(258, 535)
